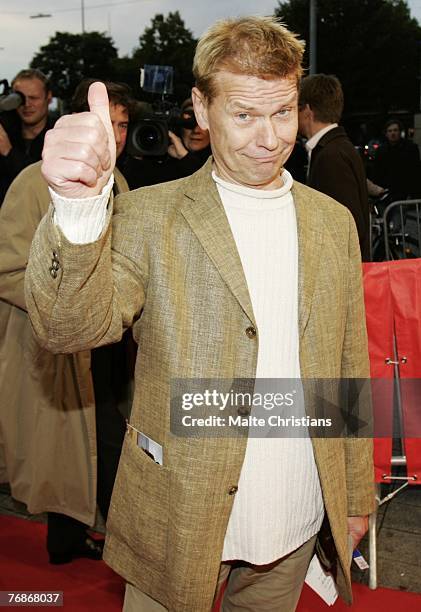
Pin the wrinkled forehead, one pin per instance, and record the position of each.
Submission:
(225, 80)
(244, 89)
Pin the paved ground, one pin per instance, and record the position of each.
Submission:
(399, 537)
(399, 541)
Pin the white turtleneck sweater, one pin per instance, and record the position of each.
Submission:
(278, 505)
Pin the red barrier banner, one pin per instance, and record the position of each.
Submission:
(405, 283)
(379, 318)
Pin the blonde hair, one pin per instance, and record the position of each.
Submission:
(254, 46)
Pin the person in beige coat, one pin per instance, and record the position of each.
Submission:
(183, 263)
(48, 437)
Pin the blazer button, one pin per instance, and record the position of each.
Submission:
(233, 490)
(53, 272)
(251, 332)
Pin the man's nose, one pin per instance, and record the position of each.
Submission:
(267, 135)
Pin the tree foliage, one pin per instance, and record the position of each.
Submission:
(126, 70)
(373, 47)
(68, 58)
(168, 42)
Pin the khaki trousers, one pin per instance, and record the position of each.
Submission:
(137, 601)
(275, 587)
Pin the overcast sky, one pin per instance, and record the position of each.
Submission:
(21, 36)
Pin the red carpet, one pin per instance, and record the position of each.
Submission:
(90, 586)
(380, 600)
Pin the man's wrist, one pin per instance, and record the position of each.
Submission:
(82, 220)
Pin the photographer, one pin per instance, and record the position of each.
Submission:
(186, 154)
(23, 146)
(193, 146)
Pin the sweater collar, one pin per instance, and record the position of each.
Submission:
(251, 192)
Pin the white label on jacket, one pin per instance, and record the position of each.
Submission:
(151, 448)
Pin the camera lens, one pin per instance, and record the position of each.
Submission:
(148, 137)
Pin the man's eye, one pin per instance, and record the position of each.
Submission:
(243, 116)
(283, 112)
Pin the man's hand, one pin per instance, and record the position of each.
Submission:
(357, 527)
(5, 144)
(176, 148)
(80, 152)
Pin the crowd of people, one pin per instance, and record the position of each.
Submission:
(216, 269)
(395, 166)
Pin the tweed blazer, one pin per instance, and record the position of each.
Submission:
(168, 265)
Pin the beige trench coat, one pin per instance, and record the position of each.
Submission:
(47, 408)
(176, 273)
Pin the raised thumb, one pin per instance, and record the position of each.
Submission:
(99, 104)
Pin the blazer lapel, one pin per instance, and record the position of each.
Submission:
(204, 212)
(310, 239)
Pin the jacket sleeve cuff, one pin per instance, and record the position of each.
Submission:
(82, 220)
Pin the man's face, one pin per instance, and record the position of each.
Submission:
(194, 139)
(252, 124)
(393, 133)
(120, 121)
(35, 109)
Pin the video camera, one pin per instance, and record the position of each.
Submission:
(148, 137)
(9, 102)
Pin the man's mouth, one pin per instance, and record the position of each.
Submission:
(266, 158)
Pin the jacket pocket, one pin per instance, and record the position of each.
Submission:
(140, 504)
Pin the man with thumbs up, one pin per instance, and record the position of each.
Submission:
(222, 276)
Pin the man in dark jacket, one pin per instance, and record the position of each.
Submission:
(334, 166)
(21, 144)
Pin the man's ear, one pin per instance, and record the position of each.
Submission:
(308, 112)
(200, 106)
(49, 97)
